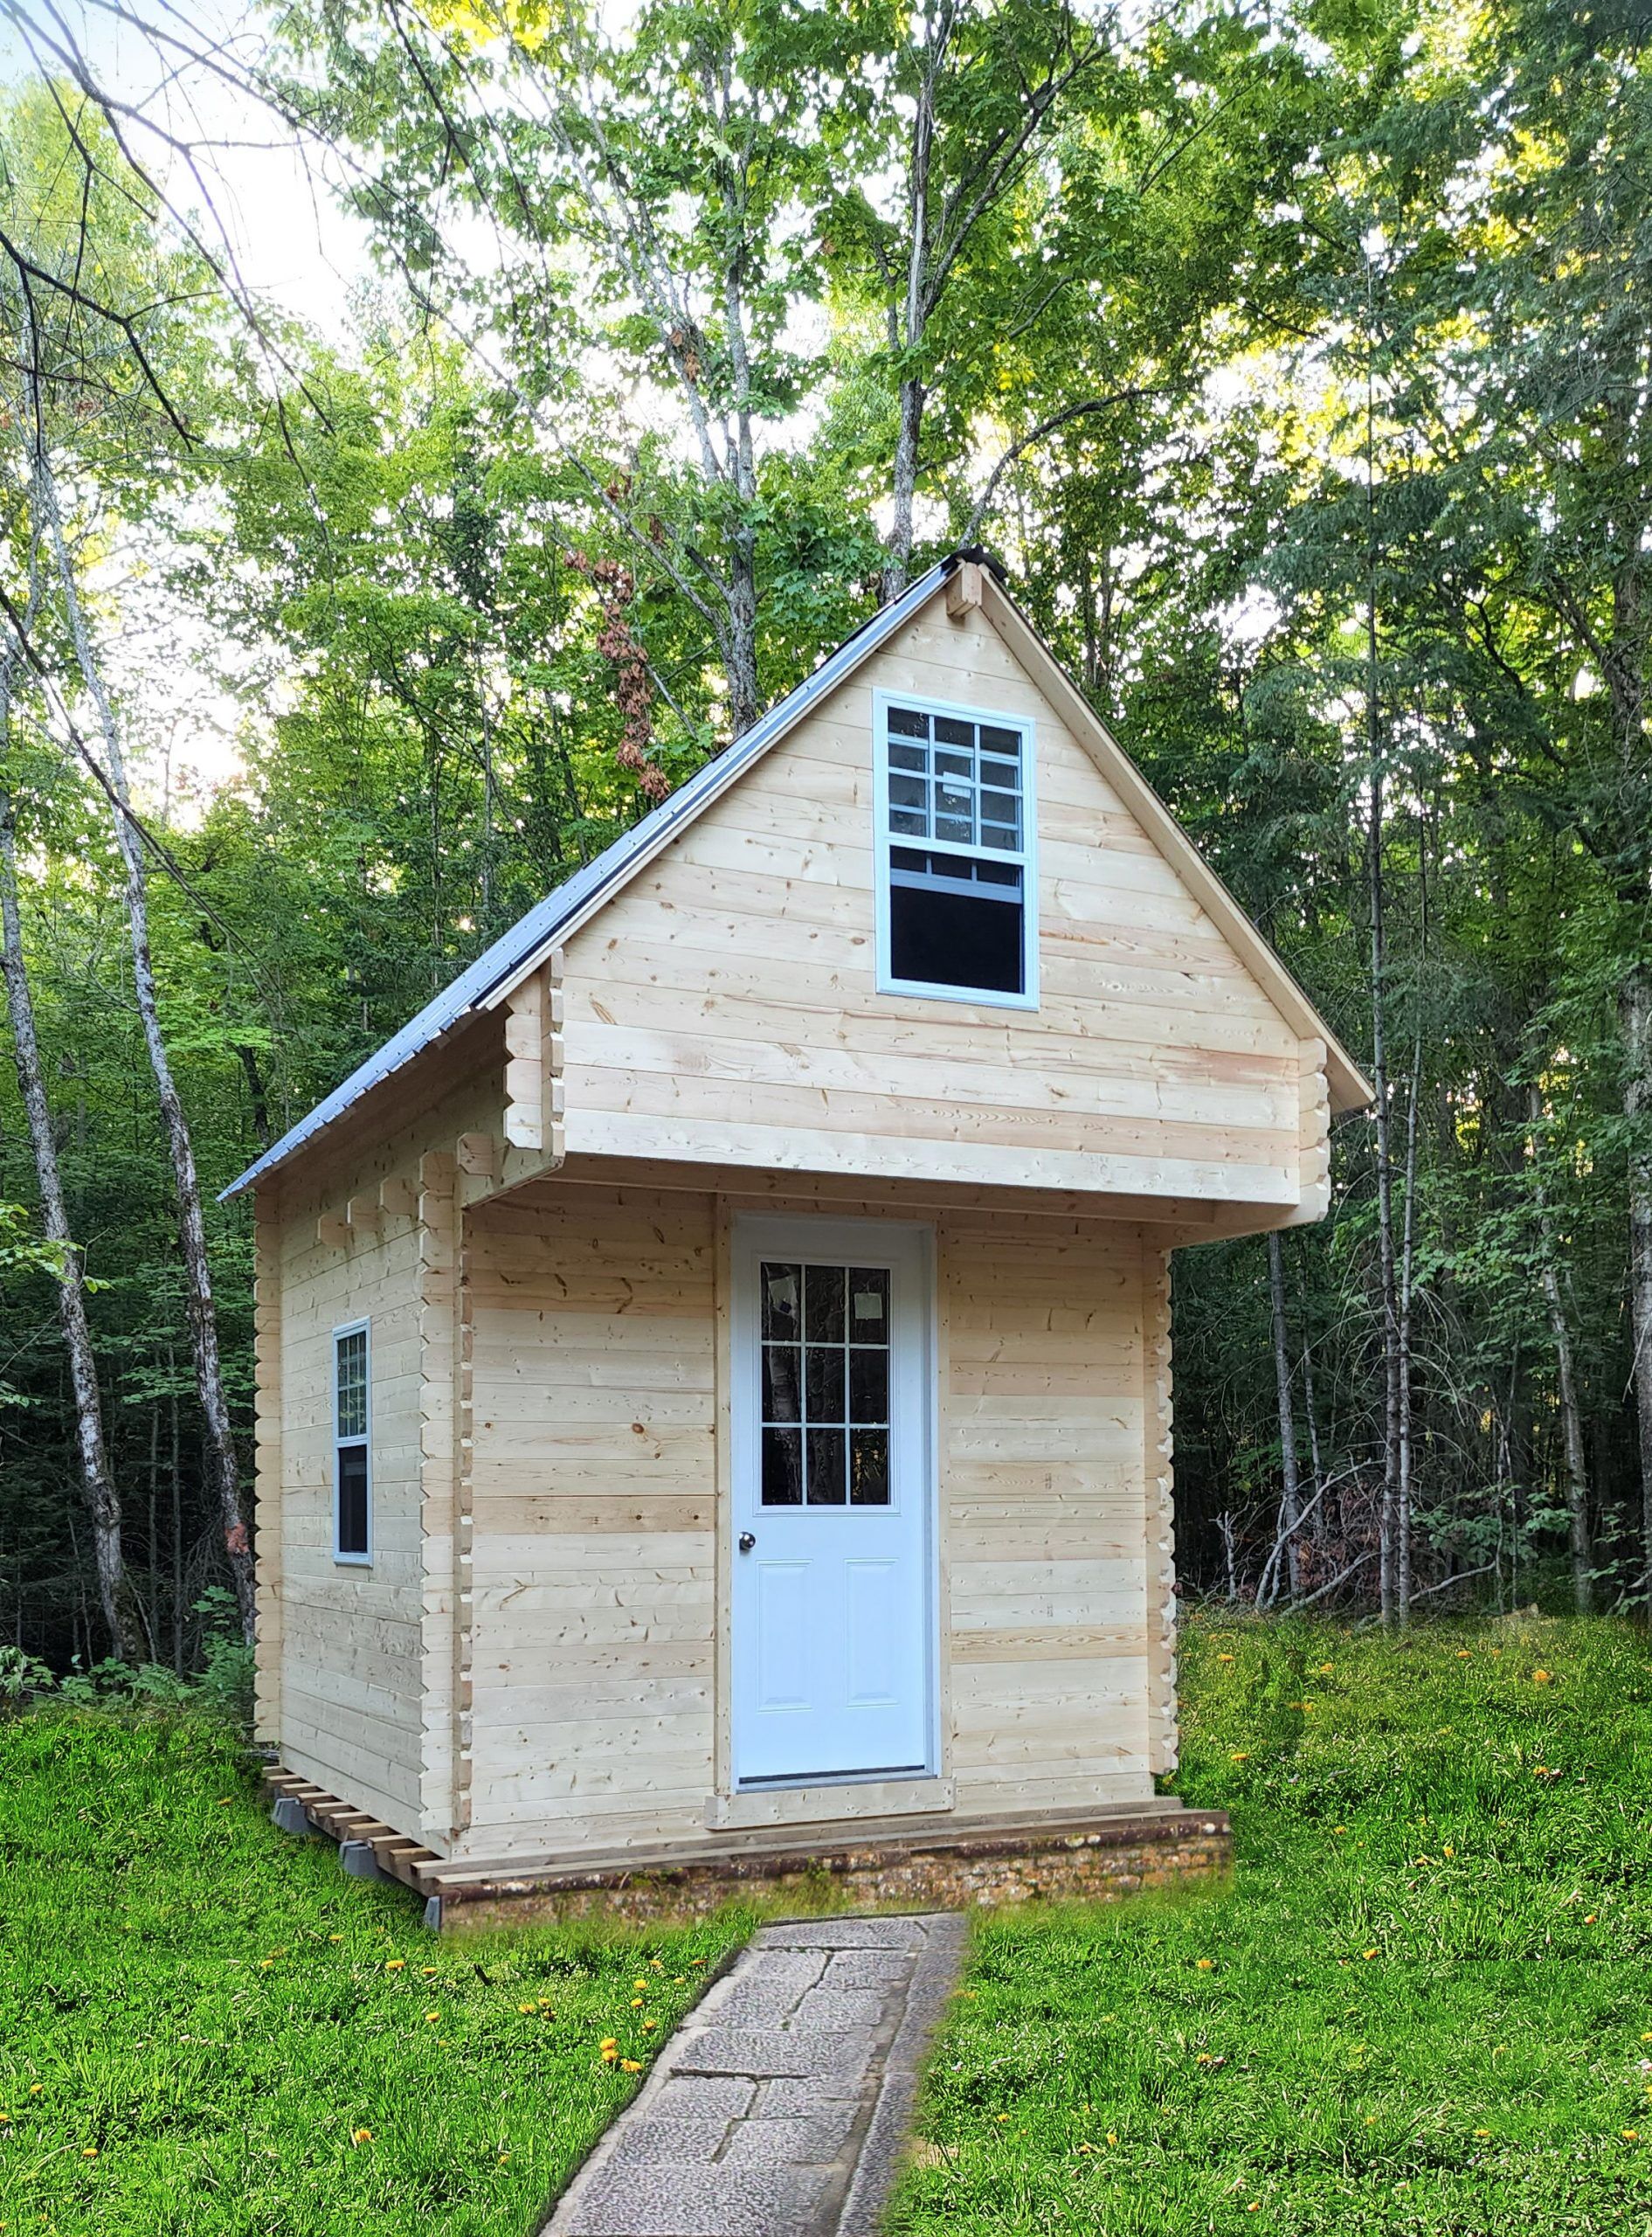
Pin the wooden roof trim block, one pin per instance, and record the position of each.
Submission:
(1163, 1735)
(534, 1109)
(266, 1476)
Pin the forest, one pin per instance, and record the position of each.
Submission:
(1294, 356)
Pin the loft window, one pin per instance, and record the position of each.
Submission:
(955, 873)
(352, 1471)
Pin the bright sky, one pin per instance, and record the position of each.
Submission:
(290, 241)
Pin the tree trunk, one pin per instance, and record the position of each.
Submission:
(1565, 1376)
(103, 1504)
(1290, 1499)
(744, 705)
(904, 481)
(1637, 1104)
(1387, 1544)
(223, 1469)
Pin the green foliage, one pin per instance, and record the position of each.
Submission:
(209, 2029)
(1421, 2007)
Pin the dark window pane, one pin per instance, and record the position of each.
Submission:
(1008, 743)
(783, 1467)
(905, 721)
(868, 1386)
(949, 732)
(908, 792)
(909, 756)
(869, 1305)
(1001, 808)
(912, 822)
(954, 939)
(954, 764)
(869, 1468)
(998, 873)
(826, 1467)
(824, 1306)
(781, 1286)
(1005, 837)
(352, 1498)
(780, 1383)
(1001, 773)
(824, 1371)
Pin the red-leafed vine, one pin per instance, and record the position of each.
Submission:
(633, 686)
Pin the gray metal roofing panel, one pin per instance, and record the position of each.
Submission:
(589, 885)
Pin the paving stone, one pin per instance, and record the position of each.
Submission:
(866, 1968)
(701, 2097)
(670, 2136)
(814, 2140)
(673, 2200)
(834, 2008)
(760, 2051)
(790, 2098)
(845, 1933)
(780, 2110)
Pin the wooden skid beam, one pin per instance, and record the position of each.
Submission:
(402, 1857)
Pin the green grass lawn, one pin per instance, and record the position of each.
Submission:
(1425, 2005)
(206, 2029)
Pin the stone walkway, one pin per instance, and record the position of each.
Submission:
(779, 2107)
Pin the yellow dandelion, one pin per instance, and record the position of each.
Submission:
(89, 2152)
(610, 2055)
(640, 1984)
(361, 2136)
(1087, 2147)
(335, 1937)
(524, 2007)
(429, 1971)
(1111, 2138)
(432, 2017)
(697, 1961)
(224, 1801)
(631, 2066)
(394, 1964)
(1206, 1964)
(1448, 1850)
(1255, 2207)
(1631, 2135)
(1224, 1658)
(264, 1964)
(1324, 1670)
(1482, 2133)
(503, 2156)
(1340, 1829)
(1003, 2116)
(35, 2088)
(648, 2026)
(636, 2002)
(1542, 1677)
(1591, 1918)
(1463, 1654)
(1368, 1953)
(1240, 1756)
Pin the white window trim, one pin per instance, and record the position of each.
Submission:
(983, 998)
(363, 1328)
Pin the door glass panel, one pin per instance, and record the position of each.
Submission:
(782, 1297)
(782, 1467)
(825, 1364)
(822, 1289)
(826, 1399)
(869, 1468)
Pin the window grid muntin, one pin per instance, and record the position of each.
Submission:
(352, 1427)
(944, 770)
(820, 1384)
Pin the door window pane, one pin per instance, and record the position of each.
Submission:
(350, 1358)
(782, 1391)
(869, 1468)
(781, 1294)
(823, 1311)
(827, 1467)
(782, 1467)
(824, 1382)
(868, 1385)
(869, 1305)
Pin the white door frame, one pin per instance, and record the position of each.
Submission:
(756, 1236)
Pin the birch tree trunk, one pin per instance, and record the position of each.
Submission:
(223, 1469)
(1387, 1547)
(1636, 1009)
(1290, 1499)
(116, 1594)
(1566, 1377)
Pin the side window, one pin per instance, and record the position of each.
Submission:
(352, 1468)
(957, 881)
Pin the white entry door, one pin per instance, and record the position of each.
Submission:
(833, 1472)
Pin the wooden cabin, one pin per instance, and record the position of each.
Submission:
(714, 1365)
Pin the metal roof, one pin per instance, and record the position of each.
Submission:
(558, 914)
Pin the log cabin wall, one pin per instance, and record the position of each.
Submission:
(724, 1006)
(356, 1680)
(598, 1637)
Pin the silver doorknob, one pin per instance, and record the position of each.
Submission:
(747, 1542)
